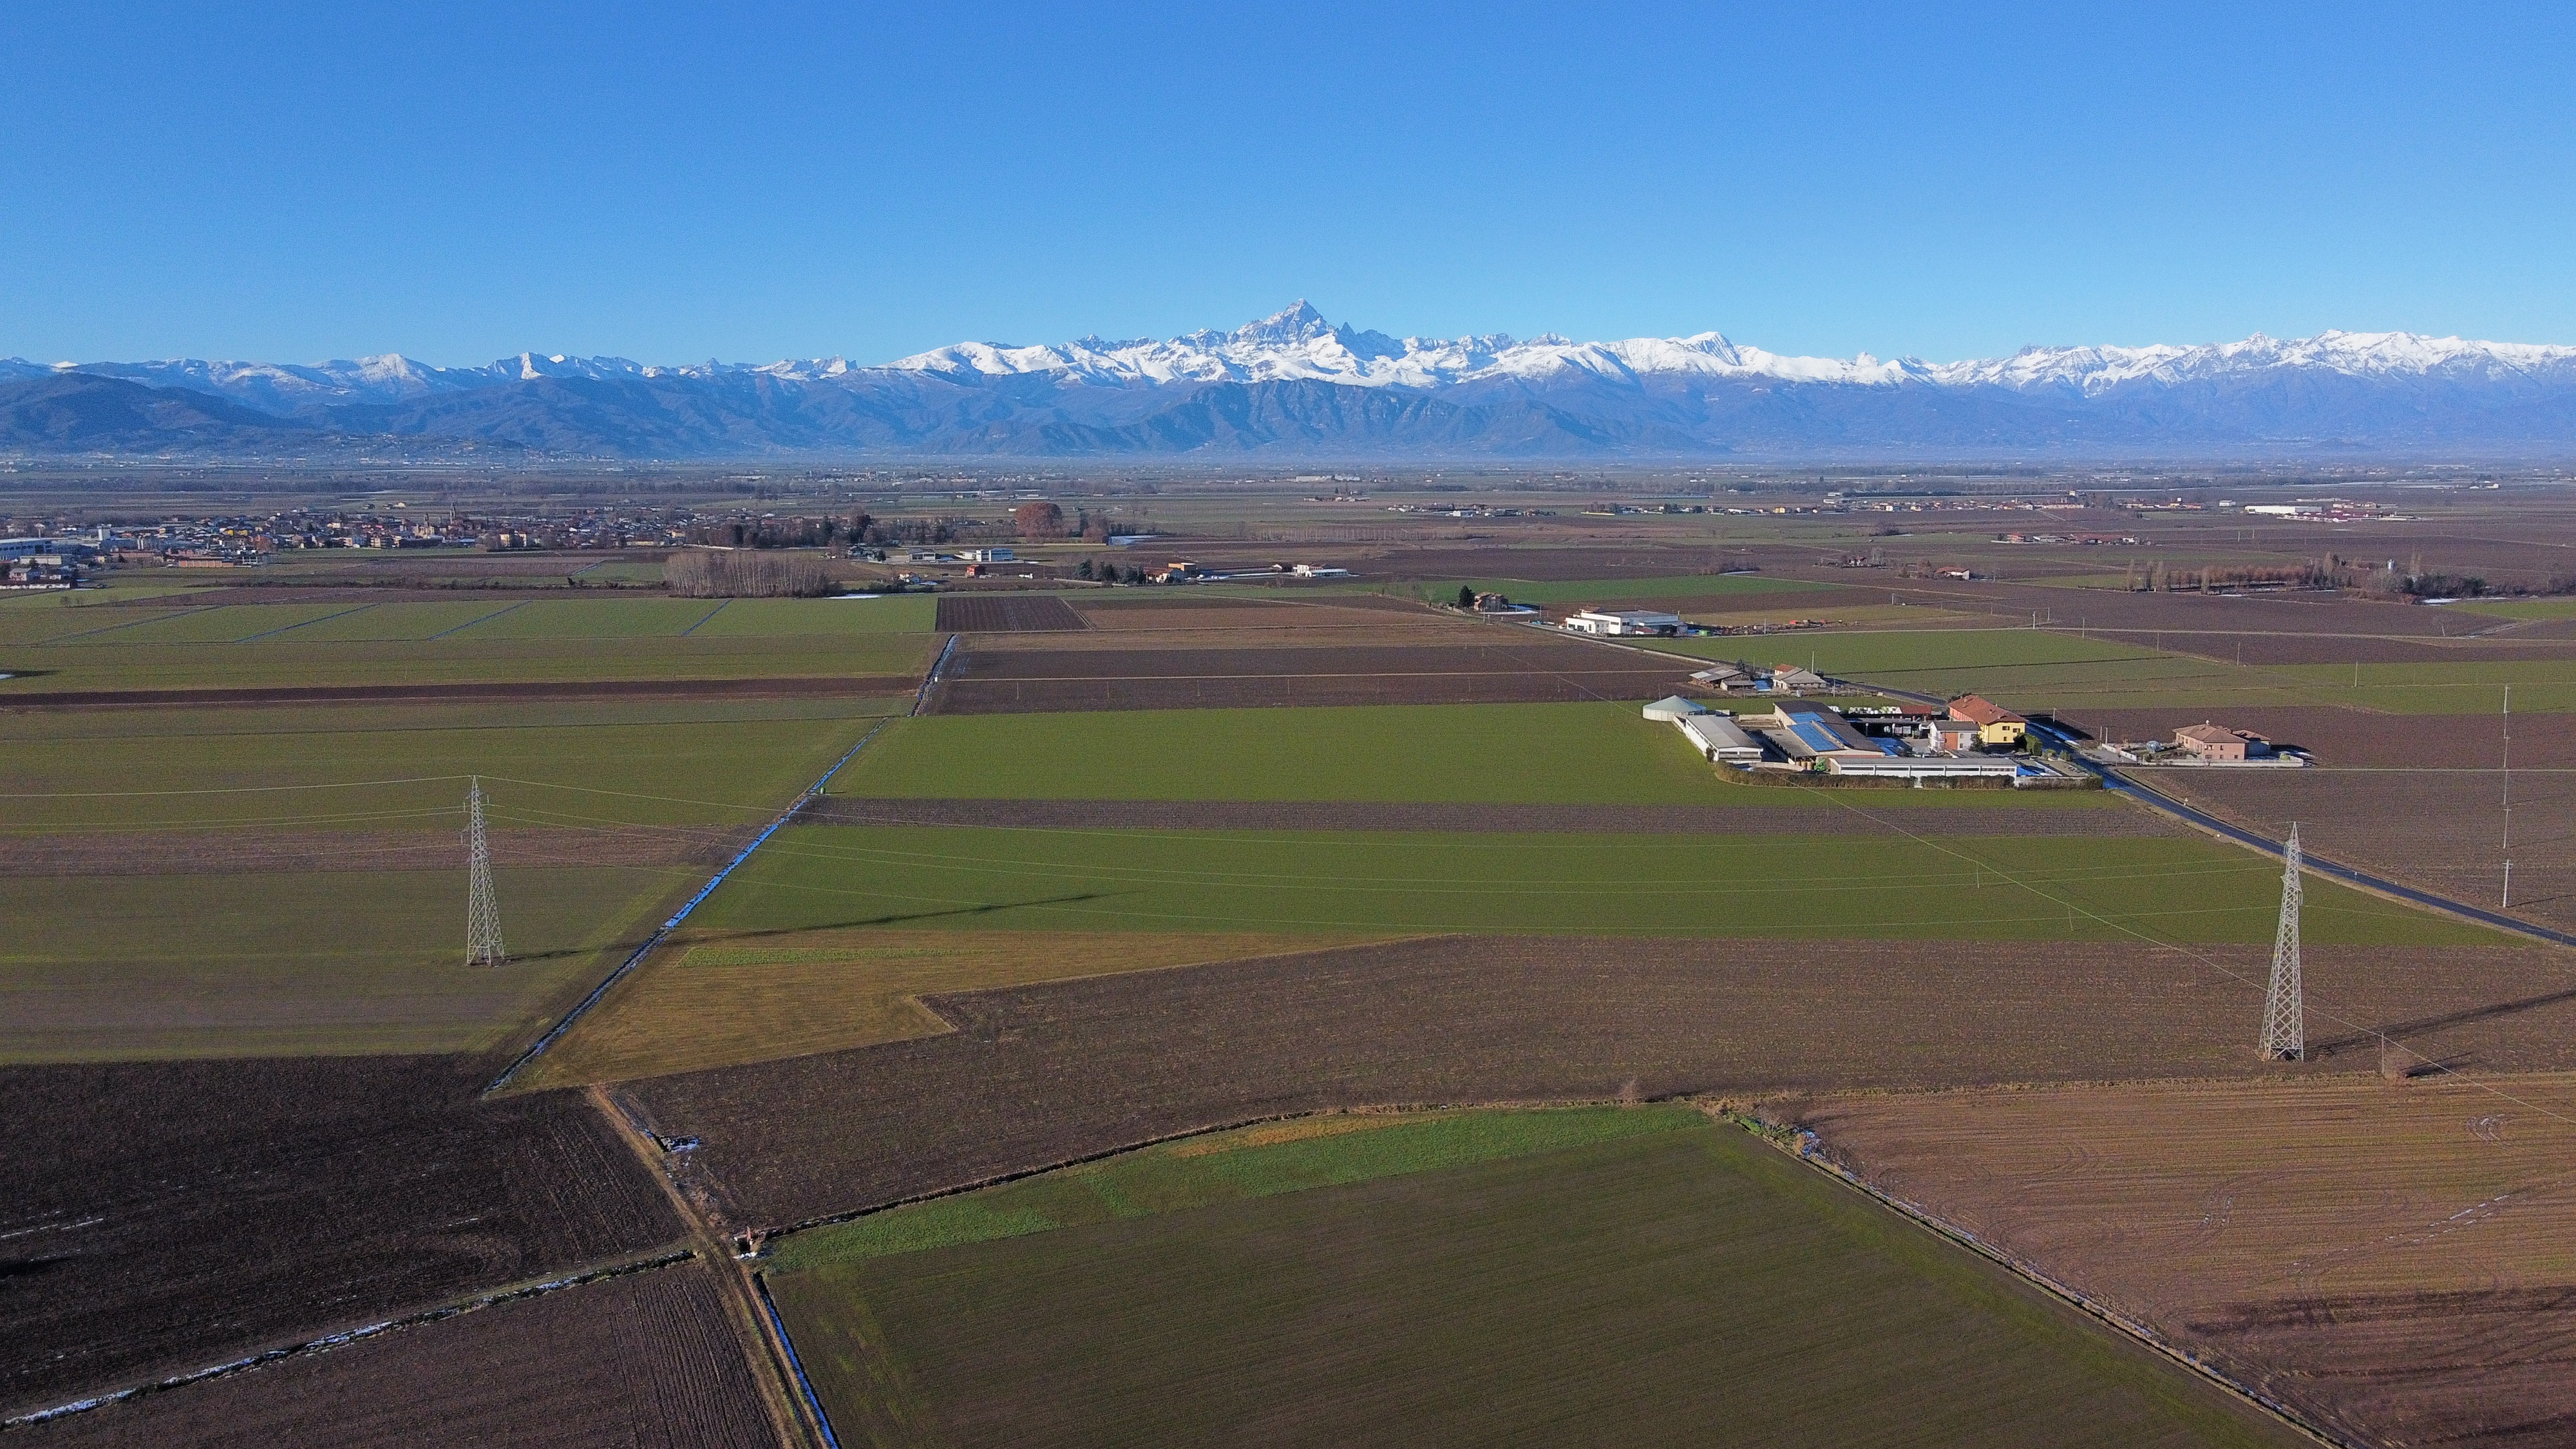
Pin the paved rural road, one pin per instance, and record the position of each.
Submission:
(2157, 799)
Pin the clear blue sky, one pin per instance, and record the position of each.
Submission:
(461, 181)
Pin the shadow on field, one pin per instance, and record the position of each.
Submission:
(2422, 1024)
(987, 909)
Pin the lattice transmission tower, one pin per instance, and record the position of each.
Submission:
(2285, 1026)
(482, 908)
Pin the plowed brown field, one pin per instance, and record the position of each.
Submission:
(1044, 1074)
(2441, 830)
(1006, 614)
(646, 1359)
(2392, 1259)
(187, 1213)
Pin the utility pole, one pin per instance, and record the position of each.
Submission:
(2285, 1029)
(2508, 886)
(482, 908)
(2508, 767)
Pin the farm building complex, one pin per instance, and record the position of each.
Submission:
(1797, 735)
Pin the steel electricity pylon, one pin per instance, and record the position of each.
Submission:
(482, 908)
(2285, 1027)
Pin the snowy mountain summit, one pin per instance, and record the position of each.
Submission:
(1297, 382)
(1297, 342)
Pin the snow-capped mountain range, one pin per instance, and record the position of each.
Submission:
(1295, 382)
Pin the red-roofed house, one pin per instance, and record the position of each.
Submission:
(1995, 724)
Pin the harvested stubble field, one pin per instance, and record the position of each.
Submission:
(257, 850)
(2392, 1258)
(2341, 736)
(1663, 1277)
(88, 648)
(1128, 614)
(1895, 885)
(1007, 614)
(986, 680)
(1039, 1075)
(756, 998)
(1587, 564)
(1702, 589)
(188, 1213)
(1800, 818)
(225, 963)
(641, 1361)
(398, 767)
(1504, 754)
(2441, 830)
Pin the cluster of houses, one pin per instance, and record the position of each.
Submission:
(45, 562)
(2205, 744)
(1971, 739)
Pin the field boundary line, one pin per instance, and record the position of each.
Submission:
(1806, 1151)
(711, 613)
(597, 993)
(155, 618)
(938, 667)
(477, 619)
(328, 1342)
(291, 628)
(736, 1284)
(795, 1365)
(757, 1240)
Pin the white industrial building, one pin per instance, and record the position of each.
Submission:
(1720, 738)
(1623, 621)
(1926, 767)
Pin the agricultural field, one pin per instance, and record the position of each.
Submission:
(644, 1358)
(390, 767)
(217, 882)
(2561, 607)
(1890, 886)
(992, 678)
(1579, 753)
(1188, 1023)
(1612, 591)
(227, 963)
(1028, 1077)
(1799, 814)
(193, 1212)
(2391, 1258)
(169, 644)
(1635, 1277)
(1008, 614)
(751, 998)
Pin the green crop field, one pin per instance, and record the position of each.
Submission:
(1589, 753)
(226, 964)
(620, 764)
(2561, 607)
(1889, 887)
(2539, 686)
(895, 614)
(102, 662)
(2042, 669)
(1604, 1276)
(52, 645)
